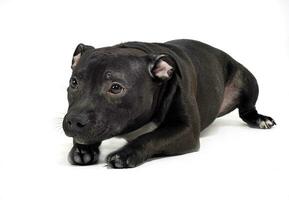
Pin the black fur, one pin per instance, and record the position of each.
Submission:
(181, 105)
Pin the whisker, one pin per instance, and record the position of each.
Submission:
(58, 122)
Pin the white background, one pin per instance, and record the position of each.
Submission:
(37, 40)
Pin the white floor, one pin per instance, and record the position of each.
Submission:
(235, 162)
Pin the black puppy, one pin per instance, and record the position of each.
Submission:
(179, 86)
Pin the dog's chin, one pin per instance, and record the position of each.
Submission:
(94, 136)
(92, 139)
(85, 141)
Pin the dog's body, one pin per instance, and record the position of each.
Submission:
(181, 86)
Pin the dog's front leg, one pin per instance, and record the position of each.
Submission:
(170, 139)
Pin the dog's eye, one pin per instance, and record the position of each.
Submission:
(73, 82)
(116, 88)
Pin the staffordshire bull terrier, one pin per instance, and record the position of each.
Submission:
(180, 87)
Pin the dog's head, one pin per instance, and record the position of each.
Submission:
(112, 90)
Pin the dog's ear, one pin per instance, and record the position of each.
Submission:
(161, 67)
(79, 51)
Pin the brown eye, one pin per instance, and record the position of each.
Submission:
(116, 88)
(73, 82)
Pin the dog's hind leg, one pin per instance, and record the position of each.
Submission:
(248, 95)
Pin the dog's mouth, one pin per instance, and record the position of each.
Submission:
(89, 137)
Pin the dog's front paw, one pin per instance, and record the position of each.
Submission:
(83, 155)
(125, 158)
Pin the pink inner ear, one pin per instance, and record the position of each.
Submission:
(162, 70)
(76, 60)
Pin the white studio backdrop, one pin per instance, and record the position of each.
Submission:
(235, 162)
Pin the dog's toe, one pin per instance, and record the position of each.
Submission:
(125, 158)
(265, 122)
(79, 156)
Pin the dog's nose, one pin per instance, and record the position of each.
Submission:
(77, 122)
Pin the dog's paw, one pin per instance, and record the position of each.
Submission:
(83, 155)
(265, 122)
(125, 158)
(255, 120)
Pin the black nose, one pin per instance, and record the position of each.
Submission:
(76, 123)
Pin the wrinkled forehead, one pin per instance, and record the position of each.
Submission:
(111, 66)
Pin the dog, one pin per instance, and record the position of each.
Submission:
(179, 87)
